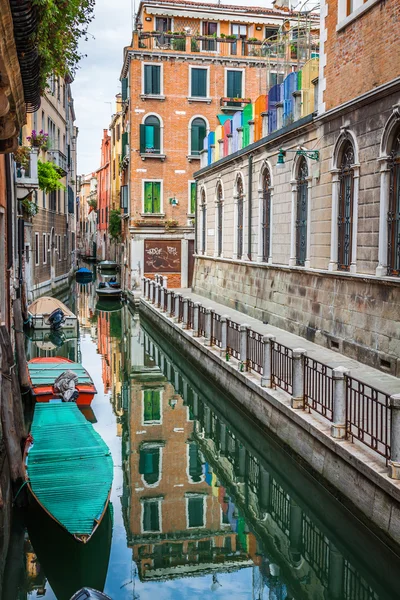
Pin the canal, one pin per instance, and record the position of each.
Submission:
(204, 502)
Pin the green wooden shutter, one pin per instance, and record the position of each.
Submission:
(157, 199)
(195, 510)
(149, 137)
(195, 82)
(202, 83)
(124, 83)
(142, 139)
(193, 194)
(147, 79)
(156, 139)
(124, 143)
(195, 141)
(155, 80)
(230, 84)
(148, 200)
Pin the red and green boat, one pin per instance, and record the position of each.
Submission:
(44, 371)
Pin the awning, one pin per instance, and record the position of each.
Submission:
(165, 11)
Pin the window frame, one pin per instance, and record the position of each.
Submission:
(243, 71)
(161, 182)
(196, 496)
(44, 254)
(160, 154)
(207, 97)
(153, 64)
(157, 501)
(37, 249)
(190, 183)
(192, 120)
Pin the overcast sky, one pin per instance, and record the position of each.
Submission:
(97, 81)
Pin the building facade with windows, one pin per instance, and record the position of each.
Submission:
(189, 67)
(49, 235)
(87, 228)
(104, 198)
(301, 227)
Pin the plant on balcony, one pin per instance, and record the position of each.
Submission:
(61, 25)
(30, 208)
(39, 140)
(92, 202)
(49, 177)
(22, 156)
(170, 223)
(114, 225)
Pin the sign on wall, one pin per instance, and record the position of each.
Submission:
(162, 256)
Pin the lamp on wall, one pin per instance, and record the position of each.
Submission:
(313, 154)
(174, 201)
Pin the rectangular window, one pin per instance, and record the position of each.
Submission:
(59, 247)
(198, 134)
(151, 515)
(65, 247)
(192, 200)
(210, 28)
(234, 84)
(163, 24)
(152, 197)
(198, 83)
(240, 32)
(151, 406)
(36, 248)
(44, 248)
(195, 511)
(152, 79)
(271, 32)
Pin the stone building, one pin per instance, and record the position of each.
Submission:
(103, 198)
(87, 227)
(188, 61)
(301, 229)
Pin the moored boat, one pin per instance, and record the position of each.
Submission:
(83, 275)
(44, 371)
(108, 290)
(49, 313)
(68, 468)
(108, 265)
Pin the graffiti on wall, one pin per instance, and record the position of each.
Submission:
(162, 256)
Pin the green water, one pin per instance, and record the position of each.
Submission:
(204, 502)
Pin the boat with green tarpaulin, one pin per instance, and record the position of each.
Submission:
(43, 372)
(68, 468)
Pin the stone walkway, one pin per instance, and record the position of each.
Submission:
(377, 379)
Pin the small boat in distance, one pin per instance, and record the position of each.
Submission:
(83, 275)
(108, 289)
(108, 265)
(49, 313)
(68, 468)
(45, 370)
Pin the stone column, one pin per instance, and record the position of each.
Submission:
(230, 141)
(264, 116)
(162, 298)
(224, 334)
(292, 259)
(243, 346)
(279, 115)
(152, 285)
(203, 158)
(208, 327)
(338, 427)
(196, 310)
(307, 262)
(176, 306)
(297, 400)
(185, 313)
(169, 304)
(165, 282)
(394, 463)
(240, 137)
(334, 221)
(221, 148)
(251, 132)
(381, 269)
(266, 378)
(356, 188)
(212, 146)
(143, 286)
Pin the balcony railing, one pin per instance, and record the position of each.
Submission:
(59, 159)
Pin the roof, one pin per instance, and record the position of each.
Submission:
(45, 306)
(256, 10)
(69, 466)
(45, 373)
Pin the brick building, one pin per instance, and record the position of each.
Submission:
(308, 238)
(103, 198)
(189, 66)
(87, 224)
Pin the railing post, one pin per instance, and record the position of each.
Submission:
(147, 288)
(208, 327)
(338, 427)
(185, 313)
(394, 463)
(162, 298)
(243, 347)
(177, 300)
(224, 334)
(196, 310)
(143, 287)
(169, 304)
(152, 287)
(297, 400)
(158, 295)
(165, 282)
(266, 379)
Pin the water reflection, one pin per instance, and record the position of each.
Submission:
(204, 502)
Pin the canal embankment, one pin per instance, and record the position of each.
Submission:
(337, 423)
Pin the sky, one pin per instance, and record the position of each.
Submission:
(97, 80)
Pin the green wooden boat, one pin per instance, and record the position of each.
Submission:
(69, 468)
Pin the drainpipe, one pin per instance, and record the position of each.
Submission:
(249, 207)
(9, 225)
(195, 223)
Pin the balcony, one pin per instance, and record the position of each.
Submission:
(233, 104)
(27, 176)
(59, 159)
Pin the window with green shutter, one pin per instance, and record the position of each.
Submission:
(152, 80)
(196, 511)
(150, 136)
(124, 143)
(152, 197)
(149, 464)
(151, 405)
(198, 133)
(151, 515)
(199, 83)
(193, 197)
(124, 85)
(234, 84)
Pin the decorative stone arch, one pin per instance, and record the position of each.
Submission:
(391, 129)
(190, 131)
(265, 213)
(346, 136)
(219, 198)
(297, 188)
(238, 216)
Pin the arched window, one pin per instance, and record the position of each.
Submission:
(266, 215)
(240, 217)
(198, 132)
(150, 136)
(394, 209)
(203, 207)
(345, 207)
(301, 212)
(219, 219)
(149, 464)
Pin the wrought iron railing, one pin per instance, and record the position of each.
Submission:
(280, 506)
(318, 387)
(282, 367)
(255, 351)
(190, 322)
(202, 321)
(180, 309)
(368, 416)
(233, 339)
(216, 330)
(315, 548)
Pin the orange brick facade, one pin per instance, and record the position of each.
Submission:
(103, 198)
(363, 55)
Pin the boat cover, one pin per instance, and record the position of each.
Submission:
(69, 466)
(45, 306)
(66, 384)
(84, 271)
(42, 373)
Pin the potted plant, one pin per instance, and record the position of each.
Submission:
(30, 208)
(92, 202)
(49, 177)
(39, 140)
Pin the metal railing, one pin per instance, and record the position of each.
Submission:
(255, 351)
(282, 367)
(280, 506)
(166, 294)
(368, 416)
(318, 387)
(233, 339)
(180, 310)
(216, 330)
(190, 322)
(315, 548)
(202, 321)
